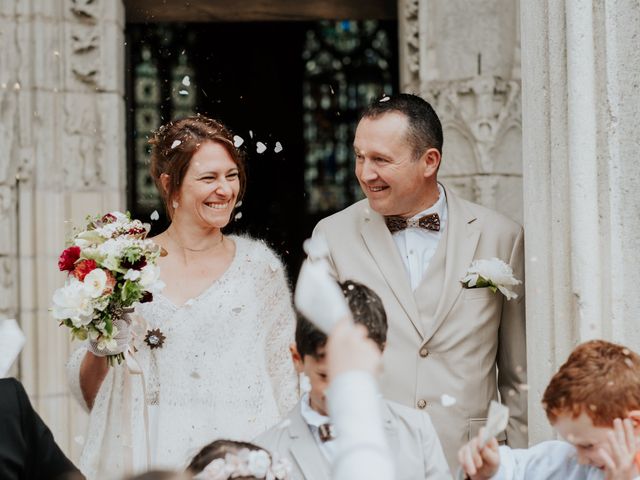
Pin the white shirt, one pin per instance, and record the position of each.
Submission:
(314, 420)
(362, 452)
(551, 460)
(418, 245)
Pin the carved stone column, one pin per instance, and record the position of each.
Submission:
(62, 131)
(464, 57)
(581, 104)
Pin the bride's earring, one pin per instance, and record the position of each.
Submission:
(304, 382)
(174, 204)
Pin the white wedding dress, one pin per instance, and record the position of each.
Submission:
(224, 371)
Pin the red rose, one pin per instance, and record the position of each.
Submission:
(68, 258)
(83, 268)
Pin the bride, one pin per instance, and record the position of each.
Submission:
(211, 351)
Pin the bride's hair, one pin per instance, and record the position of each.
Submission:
(173, 145)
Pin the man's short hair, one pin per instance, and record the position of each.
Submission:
(366, 308)
(424, 129)
(599, 378)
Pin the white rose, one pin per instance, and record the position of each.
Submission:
(72, 302)
(496, 272)
(95, 282)
(132, 275)
(150, 278)
(259, 463)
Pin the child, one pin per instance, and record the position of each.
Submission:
(230, 459)
(594, 404)
(306, 436)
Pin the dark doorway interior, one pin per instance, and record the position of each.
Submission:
(250, 76)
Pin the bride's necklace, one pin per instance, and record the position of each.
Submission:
(196, 249)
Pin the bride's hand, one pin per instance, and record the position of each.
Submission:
(122, 339)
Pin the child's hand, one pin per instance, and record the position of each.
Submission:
(349, 348)
(619, 464)
(477, 463)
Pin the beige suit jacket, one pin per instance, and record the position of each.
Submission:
(443, 339)
(415, 448)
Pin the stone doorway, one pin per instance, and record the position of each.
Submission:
(276, 89)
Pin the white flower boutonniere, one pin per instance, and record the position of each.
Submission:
(494, 274)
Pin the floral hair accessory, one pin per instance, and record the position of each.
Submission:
(245, 463)
(494, 274)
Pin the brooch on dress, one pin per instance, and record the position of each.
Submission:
(154, 338)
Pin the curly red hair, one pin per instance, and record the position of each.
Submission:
(599, 378)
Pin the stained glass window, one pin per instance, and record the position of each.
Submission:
(347, 65)
(163, 87)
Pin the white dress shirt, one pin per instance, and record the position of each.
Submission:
(314, 420)
(418, 245)
(362, 452)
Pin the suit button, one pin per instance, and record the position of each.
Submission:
(422, 403)
(424, 352)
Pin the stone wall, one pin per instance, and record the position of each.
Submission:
(464, 57)
(62, 131)
(581, 104)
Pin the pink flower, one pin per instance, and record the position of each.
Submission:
(68, 258)
(83, 268)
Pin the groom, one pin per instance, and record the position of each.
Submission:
(450, 349)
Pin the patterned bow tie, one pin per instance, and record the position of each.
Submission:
(396, 224)
(326, 432)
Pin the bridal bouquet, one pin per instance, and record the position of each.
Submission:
(110, 266)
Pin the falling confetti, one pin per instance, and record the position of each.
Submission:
(385, 99)
(175, 144)
(238, 216)
(260, 147)
(56, 53)
(239, 204)
(251, 133)
(237, 141)
(183, 92)
(16, 86)
(186, 81)
(154, 215)
(447, 400)
(278, 147)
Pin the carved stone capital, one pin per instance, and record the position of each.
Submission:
(481, 110)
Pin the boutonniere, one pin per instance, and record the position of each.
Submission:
(494, 274)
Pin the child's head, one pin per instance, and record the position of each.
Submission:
(308, 352)
(238, 460)
(599, 382)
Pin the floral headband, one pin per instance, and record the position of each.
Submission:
(245, 462)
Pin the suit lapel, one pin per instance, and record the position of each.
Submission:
(461, 241)
(385, 253)
(313, 464)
